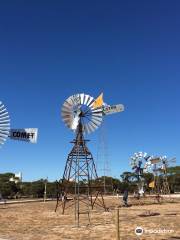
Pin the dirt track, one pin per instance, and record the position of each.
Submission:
(38, 221)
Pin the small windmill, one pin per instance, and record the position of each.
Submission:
(139, 166)
(165, 162)
(83, 115)
(159, 165)
(155, 166)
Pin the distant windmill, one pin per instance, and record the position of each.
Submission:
(159, 167)
(165, 162)
(139, 166)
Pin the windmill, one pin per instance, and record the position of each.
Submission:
(83, 115)
(155, 166)
(139, 166)
(165, 162)
(159, 165)
(152, 164)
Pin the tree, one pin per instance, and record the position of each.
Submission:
(8, 189)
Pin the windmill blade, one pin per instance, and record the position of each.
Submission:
(4, 135)
(86, 99)
(5, 124)
(6, 118)
(3, 109)
(113, 109)
(82, 98)
(97, 110)
(97, 121)
(65, 113)
(68, 123)
(91, 104)
(4, 114)
(70, 101)
(90, 126)
(76, 99)
(97, 115)
(68, 104)
(66, 107)
(90, 100)
(94, 126)
(1, 105)
(75, 122)
(86, 128)
(4, 129)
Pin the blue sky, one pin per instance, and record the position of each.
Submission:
(129, 50)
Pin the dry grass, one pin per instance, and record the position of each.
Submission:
(38, 221)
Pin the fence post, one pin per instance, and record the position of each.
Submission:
(117, 224)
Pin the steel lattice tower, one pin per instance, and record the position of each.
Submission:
(80, 185)
(102, 162)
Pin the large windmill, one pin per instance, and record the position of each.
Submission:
(82, 114)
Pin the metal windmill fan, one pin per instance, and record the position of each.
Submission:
(4, 124)
(137, 161)
(81, 108)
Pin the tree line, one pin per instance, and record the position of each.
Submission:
(36, 189)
